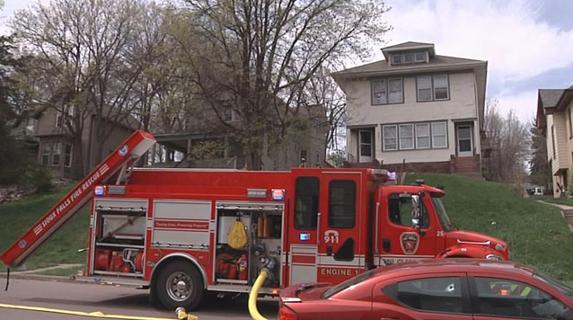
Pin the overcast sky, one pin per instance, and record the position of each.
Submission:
(528, 43)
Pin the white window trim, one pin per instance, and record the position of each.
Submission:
(384, 148)
(68, 165)
(387, 85)
(429, 136)
(412, 136)
(445, 146)
(414, 125)
(433, 87)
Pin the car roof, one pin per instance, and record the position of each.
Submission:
(427, 266)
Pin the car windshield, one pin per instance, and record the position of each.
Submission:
(348, 283)
(442, 214)
(566, 290)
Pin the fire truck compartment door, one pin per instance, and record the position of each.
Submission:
(178, 223)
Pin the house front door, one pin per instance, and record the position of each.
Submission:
(366, 145)
(464, 140)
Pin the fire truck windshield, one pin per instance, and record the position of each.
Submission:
(442, 214)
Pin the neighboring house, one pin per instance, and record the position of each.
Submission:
(415, 110)
(56, 146)
(554, 119)
(204, 143)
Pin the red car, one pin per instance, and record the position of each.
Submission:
(434, 289)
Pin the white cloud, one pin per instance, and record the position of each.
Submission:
(508, 34)
(523, 104)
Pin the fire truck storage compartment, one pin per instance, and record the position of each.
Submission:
(119, 233)
(263, 224)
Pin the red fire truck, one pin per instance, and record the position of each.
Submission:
(183, 232)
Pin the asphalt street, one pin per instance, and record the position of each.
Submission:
(109, 300)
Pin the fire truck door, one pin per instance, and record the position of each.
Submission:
(303, 236)
(340, 240)
(401, 238)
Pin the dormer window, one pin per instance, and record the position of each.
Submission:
(409, 57)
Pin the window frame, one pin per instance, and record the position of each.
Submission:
(314, 221)
(371, 143)
(56, 152)
(432, 146)
(433, 87)
(46, 152)
(429, 136)
(390, 290)
(68, 160)
(473, 291)
(331, 224)
(412, 137)
(387, 90)
(384, 148)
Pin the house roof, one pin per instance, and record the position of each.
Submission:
(382, 68)
(550, 97)
(409, 45)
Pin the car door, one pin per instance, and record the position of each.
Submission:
(401, 240)
(503, 298)
(429, 297)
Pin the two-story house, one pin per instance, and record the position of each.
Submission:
(554, 119)
(415, 108)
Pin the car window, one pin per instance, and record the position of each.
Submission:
(430, 294)
(400, 211)
(350, 282)
(501, 297)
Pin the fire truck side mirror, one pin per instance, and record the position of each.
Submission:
(416, 211)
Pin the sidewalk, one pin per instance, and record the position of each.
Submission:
(566, 212)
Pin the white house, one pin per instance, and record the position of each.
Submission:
(417, 108)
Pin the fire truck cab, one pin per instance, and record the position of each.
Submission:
(183, 232)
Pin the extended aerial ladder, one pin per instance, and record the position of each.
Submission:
(119, 161)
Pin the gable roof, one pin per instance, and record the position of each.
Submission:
(381, 67)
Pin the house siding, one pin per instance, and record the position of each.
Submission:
(462, 106)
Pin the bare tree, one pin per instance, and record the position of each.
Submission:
(258, 57)
(508, 139)
(86, 62)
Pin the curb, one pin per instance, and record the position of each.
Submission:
(39, 277)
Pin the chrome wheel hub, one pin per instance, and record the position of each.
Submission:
(179, 286)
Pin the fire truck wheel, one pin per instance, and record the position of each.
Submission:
(179, 284)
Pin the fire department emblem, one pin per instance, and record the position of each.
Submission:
(409, 242)
(123, 151)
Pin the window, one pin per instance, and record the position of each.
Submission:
(406, 135)
(341, 203)
(553, 141)
(433, 87)
(424, 85)
(422, 135)
(306, 203)
(56, 153)
(396, 59)
(366, 143)
(509, 298)
(395, 91)
(68, 155)
(409, 57)
(379, 92)
(385, 91)
(390, 138)
(439, 135)
(420, 56)
(431, 294)
(46, 153)
(409, 136)
(400, 210)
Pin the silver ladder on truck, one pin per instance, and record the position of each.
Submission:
(122, 158)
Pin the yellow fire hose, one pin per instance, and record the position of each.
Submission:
(96, 314)
(254, 294)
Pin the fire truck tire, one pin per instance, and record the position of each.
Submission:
(179, 284)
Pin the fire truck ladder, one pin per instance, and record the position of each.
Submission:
(122, 158)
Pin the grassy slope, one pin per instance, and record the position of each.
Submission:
(565, 201)
(537, 232)
(18, 216)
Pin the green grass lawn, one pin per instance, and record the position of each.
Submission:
(18, 216)
(537, 233)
